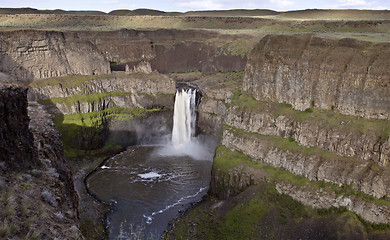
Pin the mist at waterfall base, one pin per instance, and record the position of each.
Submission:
(149, 185)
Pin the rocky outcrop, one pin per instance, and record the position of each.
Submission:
(47, 141)
(311, 72)
(374, 212)
(16, 141)
(343, 139)
(168, 50)
(226, 184)
(314, 166)
(321, 144)
(133, 83)
(136, 90)
(122, 101)
(28, 54)
(33, 54)
(39, 192)
(142, 67)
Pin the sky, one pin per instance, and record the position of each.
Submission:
(191, 5)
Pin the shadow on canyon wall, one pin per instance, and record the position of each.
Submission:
(86, 133)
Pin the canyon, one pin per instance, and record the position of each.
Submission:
(302, 121)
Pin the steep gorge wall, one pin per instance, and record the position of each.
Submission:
(29, 54)
(35, 181)
(170, 50)
(343, 138)
(71, 95)
(35, 54)
(264, 119)
(307, 71)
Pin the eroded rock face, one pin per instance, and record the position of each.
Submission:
(364, 146)
(370, 211)
(32, 54)
(136, 90)
(32, 163)
(16, 141)
(307, 71)
(167, 50)
(28, 54)
(361, 175)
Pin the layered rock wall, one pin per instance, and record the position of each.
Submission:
(341, 139)
(33, 54)
(168, 50)
(310, 72)
(314, 166)
(264, 119)
(118, 90)
(28, 54)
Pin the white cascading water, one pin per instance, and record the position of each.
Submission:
(184, 117)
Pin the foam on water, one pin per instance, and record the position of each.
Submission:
(149, 175)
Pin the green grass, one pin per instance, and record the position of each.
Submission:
(326, 119)
(261, 213)
(240, 222)
(245, 101)
(84, 133)
(93, 97)
(92, 230)
(225, 160)
(239, 47)
(68, 81)
(258, 26)
(93, 118)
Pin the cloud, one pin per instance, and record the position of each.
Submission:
(110, 2)
(200, 5)
(282, 3)
(352, 3)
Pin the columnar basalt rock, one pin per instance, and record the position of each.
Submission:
(361, 175)
(136, 90)
(34, 54)
(370, 211)
(365, 146)
(28, 54)
(134, 83)
(306, 71)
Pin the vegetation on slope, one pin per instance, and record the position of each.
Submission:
(260, 212)
(67, 81)
(327, 119)
(93, 97)
(87, 133)
(225, 160)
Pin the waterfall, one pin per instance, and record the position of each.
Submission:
(184, 117)
(184, 142)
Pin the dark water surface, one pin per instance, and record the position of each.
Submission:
(148, 190)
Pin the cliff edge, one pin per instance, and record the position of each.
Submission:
(38, 200)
